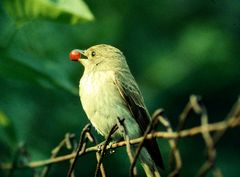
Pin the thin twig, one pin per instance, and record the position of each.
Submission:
(56, 150)
(172, 142)
(123, 128)
(14, 163)
(21, 156)
(211, 127)
(199, 108)
(183, 116)
(103, 173)
(217, 129)
(217, 172)
(174, 157)
(234, 113)
(91, 138)
(79, 148)
(140, 146)
(104, 148)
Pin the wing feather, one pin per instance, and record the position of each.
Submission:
(132, 96)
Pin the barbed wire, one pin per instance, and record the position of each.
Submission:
(210, 132)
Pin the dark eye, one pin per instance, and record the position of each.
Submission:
(93, 54)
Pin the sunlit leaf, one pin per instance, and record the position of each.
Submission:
(70, 11)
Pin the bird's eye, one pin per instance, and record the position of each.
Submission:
(93, 54)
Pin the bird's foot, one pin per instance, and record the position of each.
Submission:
(108, 146)
(100, 146)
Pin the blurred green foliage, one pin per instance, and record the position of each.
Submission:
(174, 48)
(72, 11)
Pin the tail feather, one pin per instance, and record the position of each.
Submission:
(151, 171)
(154, 152)
(148, 164)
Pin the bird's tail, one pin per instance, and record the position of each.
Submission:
(148, 164)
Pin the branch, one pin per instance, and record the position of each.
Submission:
(212, 127)
(79, 148)
(141, 143)
(104, 148)
(211, 134)
(173, 144)
(65, 142)
(123, 128)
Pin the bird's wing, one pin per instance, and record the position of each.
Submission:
(130, 93)
(132, 96)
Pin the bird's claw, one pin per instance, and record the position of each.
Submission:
(108, 147)
(100, 146)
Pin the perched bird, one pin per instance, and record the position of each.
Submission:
(108, 91)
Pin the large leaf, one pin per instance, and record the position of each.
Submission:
(21, 70)
(29, 53)
(72, 11)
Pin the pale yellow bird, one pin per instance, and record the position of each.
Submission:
(108, 91)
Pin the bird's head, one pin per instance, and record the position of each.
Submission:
(99, 57)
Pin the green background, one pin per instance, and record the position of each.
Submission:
(173, 48)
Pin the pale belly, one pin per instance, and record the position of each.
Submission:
(103, 103)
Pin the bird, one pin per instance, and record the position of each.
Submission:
(108, 91)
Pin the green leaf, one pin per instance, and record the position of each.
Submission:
(6, 126)
(32, 74)
(44, 62)
(69, 11)
(4, 122)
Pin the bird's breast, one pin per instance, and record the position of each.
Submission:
(101, 100)
(97, 85)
